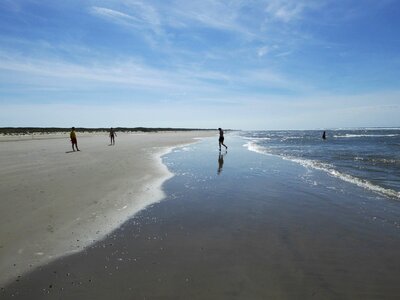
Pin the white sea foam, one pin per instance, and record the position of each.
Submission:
(364, 128)
(346, 177)
(292, 138)
(327, 168)
(257, 138)
(378, 160)
(348, 135)
(253, 146)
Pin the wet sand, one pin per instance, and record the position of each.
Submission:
(244, 226)
(56, 202)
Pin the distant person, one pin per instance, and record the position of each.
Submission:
(112, 136)
(74, 141)
(324, 136)
(221, 139)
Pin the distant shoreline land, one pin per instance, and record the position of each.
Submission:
(32, 133)
(47, 130)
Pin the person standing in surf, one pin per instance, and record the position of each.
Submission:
(221, 139)
(74, 141)
(112, 136)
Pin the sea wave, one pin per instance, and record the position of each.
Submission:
(365, 128)
(292, 138)
(385, 161)
(256, 138)
(346, 177)
(253, 146)
(327, 168)
(348, 135)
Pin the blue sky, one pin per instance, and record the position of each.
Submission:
(273, 64)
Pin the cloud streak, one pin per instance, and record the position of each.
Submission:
(129, 73)
(289, 10)
(143, 18)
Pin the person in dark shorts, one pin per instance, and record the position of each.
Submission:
(74, 141)
(112, 136)
(221, 139)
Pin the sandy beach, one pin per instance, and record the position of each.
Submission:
(235, 225)
(56, 202)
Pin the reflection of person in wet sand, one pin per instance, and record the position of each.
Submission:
(221, 139)
(74, 141)
(112, 136)
(220, 162)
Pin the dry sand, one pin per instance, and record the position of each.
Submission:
(55, 202)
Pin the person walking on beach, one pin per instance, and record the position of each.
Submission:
(112, 136)
(221, 139)
(74, 141)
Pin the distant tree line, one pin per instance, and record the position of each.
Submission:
(45, 130)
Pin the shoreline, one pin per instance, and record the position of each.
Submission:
(57, 205)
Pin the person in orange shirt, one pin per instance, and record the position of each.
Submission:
(74, 141)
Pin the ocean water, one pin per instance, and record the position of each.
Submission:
(368, 158)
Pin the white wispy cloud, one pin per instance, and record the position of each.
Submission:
(157, 22)
(220, 15)
(290, 10)
(263, 51)
(128, 73)
(285, 10)
(138, 16)
(112, 14)
(187, 71)
(45, 72)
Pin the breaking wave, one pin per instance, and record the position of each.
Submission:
(364, 135)
(329, 169)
